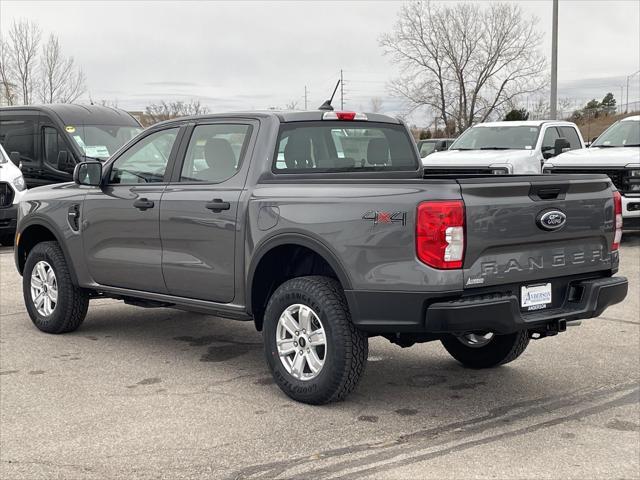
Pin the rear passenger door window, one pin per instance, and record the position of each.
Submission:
(215, 152)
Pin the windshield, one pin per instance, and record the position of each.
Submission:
(621, 134)
(101, 141)
(497, 138)
(335, 147)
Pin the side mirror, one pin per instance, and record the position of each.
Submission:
(561, 145)
(15, 158)
(88, 173)
(65, 162)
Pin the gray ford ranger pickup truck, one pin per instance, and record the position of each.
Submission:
(263, 217)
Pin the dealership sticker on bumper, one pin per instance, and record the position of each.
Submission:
(535, 297)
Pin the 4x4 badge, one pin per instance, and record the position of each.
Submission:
(385, 217)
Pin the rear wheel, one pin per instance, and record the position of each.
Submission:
(53, 302)
(315, 353)
(486, 350)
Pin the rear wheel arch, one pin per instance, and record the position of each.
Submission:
(285, 257)
(35, 233)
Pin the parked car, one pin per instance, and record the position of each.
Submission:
(616, 152)
(321, 251)
(49, 140)
(505, 148)
(12, 188)
(432, 145)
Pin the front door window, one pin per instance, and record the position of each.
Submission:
(146, 161)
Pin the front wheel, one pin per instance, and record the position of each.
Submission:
(53, 302)
(315, 353)
(486, 350)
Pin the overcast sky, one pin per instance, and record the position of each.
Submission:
(254, 55)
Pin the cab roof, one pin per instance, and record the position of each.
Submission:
(283, 116)
(73, 114)
(632, 118)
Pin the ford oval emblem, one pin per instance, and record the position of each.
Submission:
(551, 220)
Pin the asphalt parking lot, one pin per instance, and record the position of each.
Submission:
(158, 393)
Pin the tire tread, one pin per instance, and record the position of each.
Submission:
(335, 305)
(75, 301)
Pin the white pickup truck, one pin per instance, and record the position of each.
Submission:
(12, 188)
(616, 152)
(505, 148)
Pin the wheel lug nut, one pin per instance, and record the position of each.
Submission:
(295, 344)
(297, 333)
(308, 350)
(301, 352)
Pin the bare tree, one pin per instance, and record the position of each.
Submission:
(464, 61)
(292, 105)
(24, 37)
(158, 112)
(375, 104)
(8, 95)
(61, 81)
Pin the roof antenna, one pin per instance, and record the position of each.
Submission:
(327, 105)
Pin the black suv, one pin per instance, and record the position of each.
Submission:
(48, 141)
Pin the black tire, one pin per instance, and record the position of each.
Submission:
(347, 347)
(73, 302)
(500, 350)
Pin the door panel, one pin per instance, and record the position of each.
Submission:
(198, 243)
(198, 213)
(122, 242)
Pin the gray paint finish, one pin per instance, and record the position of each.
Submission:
(182, 253)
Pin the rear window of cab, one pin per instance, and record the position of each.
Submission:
(343, 146)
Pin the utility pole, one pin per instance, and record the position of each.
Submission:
(554, 63)
(305, 97)
(628, 77)
(341, 91)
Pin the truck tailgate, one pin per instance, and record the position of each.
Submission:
(508, 243)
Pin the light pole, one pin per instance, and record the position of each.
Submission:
(626, 110)
(554, 62)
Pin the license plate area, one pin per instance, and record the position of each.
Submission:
(535, 297)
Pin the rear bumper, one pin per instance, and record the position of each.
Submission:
(502, 314)
(8, 218)
(499, 313)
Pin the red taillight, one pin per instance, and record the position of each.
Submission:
(440, 233)
(617, 212)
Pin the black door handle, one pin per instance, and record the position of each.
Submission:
(143, 204)
(217, 205)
